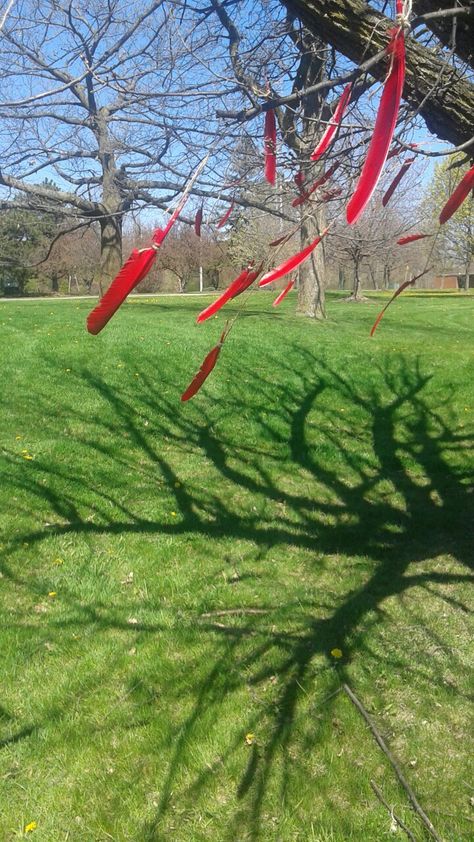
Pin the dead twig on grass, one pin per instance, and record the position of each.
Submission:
(393, 814)
(229, 611)
(396, 768)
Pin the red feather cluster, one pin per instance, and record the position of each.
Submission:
(318, 183)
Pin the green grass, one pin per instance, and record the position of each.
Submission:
(322, 481)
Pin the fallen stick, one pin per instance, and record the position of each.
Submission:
(228, 611)
(393, 814)
(396, 768)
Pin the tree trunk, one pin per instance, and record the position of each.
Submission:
(356, 296)
(110, 249)
(312, 275)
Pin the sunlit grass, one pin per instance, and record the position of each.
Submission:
(175, 576)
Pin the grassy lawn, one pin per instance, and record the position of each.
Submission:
(175, 576)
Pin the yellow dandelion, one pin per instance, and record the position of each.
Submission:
(18, 438)
(52, 594)
(58, 561)
(173, 514)
(30, 826)
(249, 739)
(336, 653)
(27, 456)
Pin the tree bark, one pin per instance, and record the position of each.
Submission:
(359, 32)
(110, 249)
(312, 275)
(443, 27)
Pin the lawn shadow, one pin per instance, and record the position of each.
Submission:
(396, 491)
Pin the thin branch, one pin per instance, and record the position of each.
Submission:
(396, 768)
(392, 812)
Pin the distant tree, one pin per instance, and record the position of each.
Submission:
(23, 233)
(454, 245)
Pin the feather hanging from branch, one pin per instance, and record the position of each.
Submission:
(331, 194)
(269, 145)
(238, 285)
(132, 272)
(292, 263)
(206, 367)
(223, 219)
(318, 183)
(198, 221)
(395, 295)
(279, 240)
(333, 124)
(457, 197)
(411, 238)
(396, 181)
(137, 266)
(383, 130)
(299, 179)
(283, 293)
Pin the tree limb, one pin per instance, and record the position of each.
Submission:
(359, 32)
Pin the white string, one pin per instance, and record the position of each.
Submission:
(404, 18)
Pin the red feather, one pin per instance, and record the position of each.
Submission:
(226, 296)
(278, 241)
(333, 124)
(397, 150)
(411, 238)
(206, 367)
(283, 293)
(331, 194)
(269, 145)
(394, 296)
(396, 181)
(299, 179)
(134, 270)
(457, 198)
(399, 7)
(244, 284)
(325, 176)
(383, 130)
(224, 219)
(198, 221)
(318, 183)
(300, 200)
(239, 285)
(290, 264)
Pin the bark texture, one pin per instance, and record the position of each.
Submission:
(359, 32)
(312, 274)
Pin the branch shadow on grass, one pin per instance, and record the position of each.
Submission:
(348, 470)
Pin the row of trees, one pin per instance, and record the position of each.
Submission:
(118, 102)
